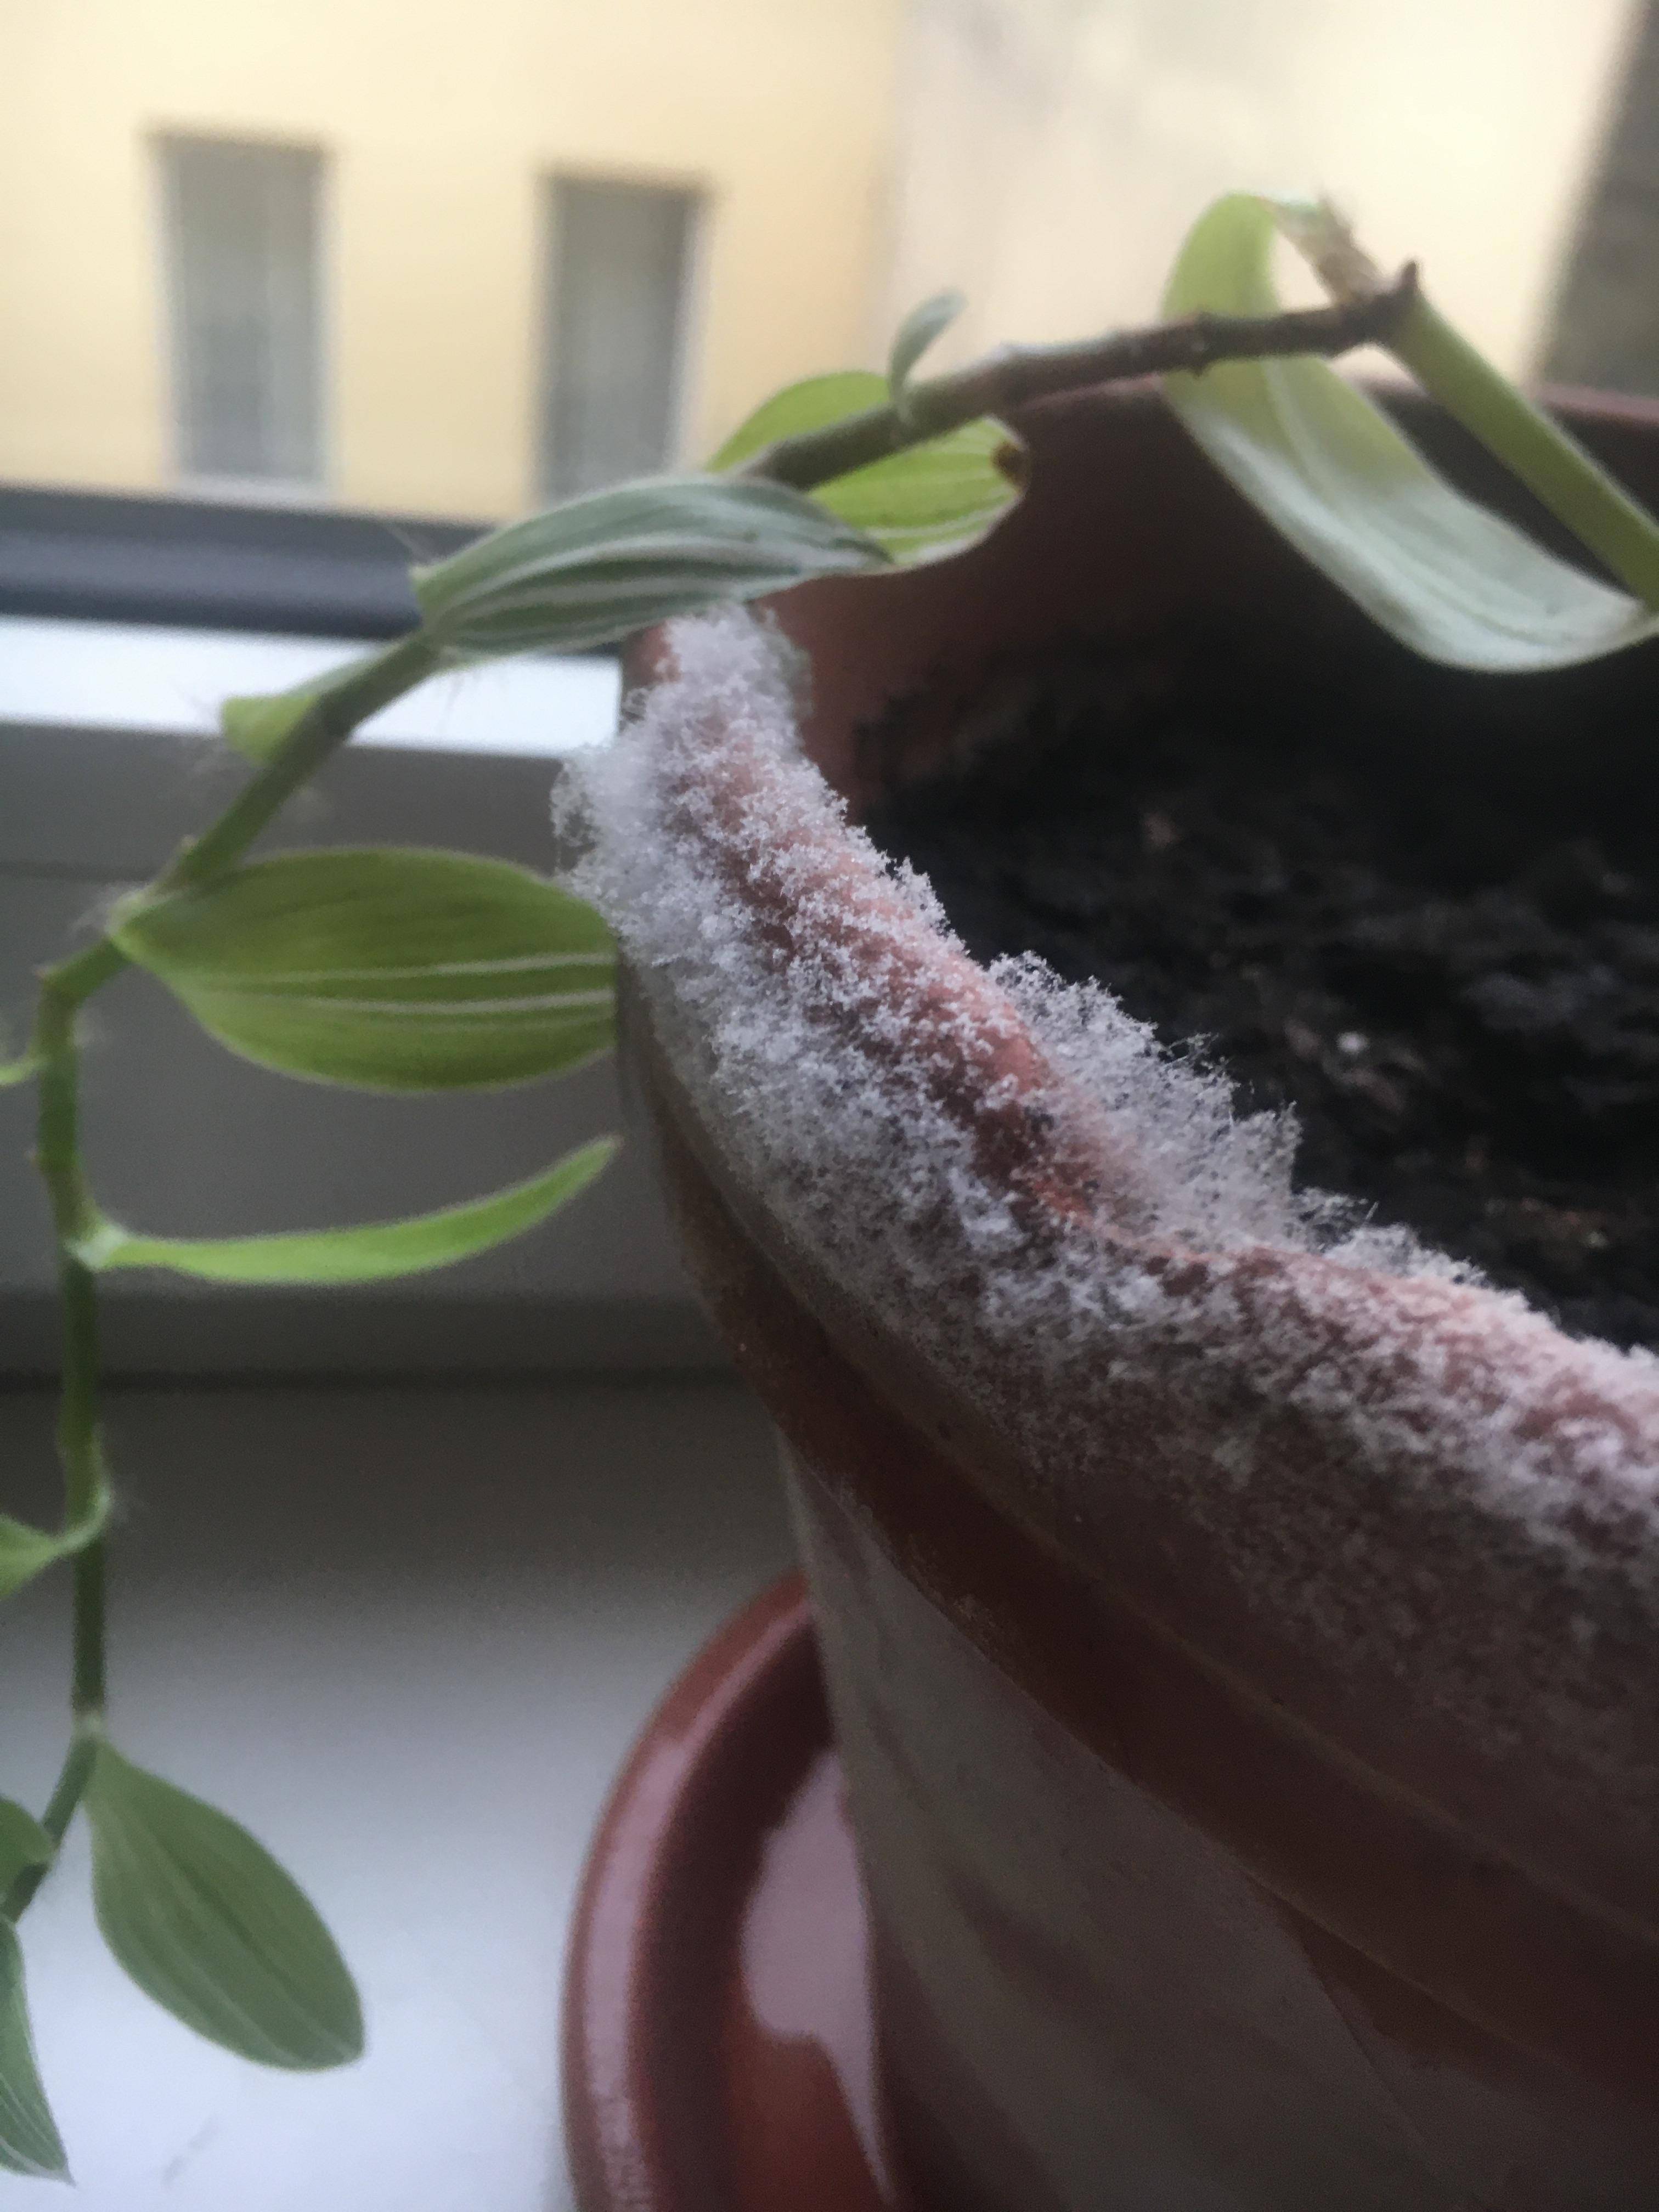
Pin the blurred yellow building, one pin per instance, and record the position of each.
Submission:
(456, 259)
(417, 255)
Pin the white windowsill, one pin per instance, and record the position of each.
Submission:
(254, 491)
(409, 1642)
(123, 676)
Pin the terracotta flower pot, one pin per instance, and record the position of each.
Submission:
(1244, 1656)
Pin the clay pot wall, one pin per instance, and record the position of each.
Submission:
(1204, 1874)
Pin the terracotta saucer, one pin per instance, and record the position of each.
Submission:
(719, 2035)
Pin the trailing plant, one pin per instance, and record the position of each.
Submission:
(430, 971)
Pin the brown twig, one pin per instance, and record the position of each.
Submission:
(1014, 378)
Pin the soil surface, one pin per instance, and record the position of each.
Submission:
(1422, 908)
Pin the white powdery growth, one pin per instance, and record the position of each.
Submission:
(846, 1142)
(1370, 1459)
(820, 1082)
(1217, 1178)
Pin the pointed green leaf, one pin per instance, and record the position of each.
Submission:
(26, 1550)
(811, 405)
(598, 568)
(372, 1252)
(29, 2141)
(390, 970)
(920, 505)
(23, 1843)
(334, 703)
(258, 726)
(1445, 575)
(207, 1923)
(917, 332)
(18, 1071)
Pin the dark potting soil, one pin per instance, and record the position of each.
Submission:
(1421, 909)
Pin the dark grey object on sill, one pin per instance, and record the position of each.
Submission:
(154, 1331)
(303, 572)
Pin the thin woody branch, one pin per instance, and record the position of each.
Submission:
(1014, 378)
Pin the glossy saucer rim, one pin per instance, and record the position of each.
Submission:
(661, 1907)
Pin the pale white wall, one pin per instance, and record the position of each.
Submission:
(1054, 152)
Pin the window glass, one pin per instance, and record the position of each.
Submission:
(617, 271)
(242, 253)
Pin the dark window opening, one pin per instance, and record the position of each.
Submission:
(618, 259)
(1606, 319)
(242, 232)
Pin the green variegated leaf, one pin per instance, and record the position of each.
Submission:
(206, 1923)
(923, 504)
(599, 567)
(384, 969)
(373, 1252)
(23, 1843)
(1324, 465)
(917, 332)
(27, 1550)
(1546, 458)
(29, 2141)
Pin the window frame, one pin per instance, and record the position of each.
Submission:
(86, 811)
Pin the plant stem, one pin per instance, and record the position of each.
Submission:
(80, 1453)
(383, 677)
(65, 990)
(1006, 382)
(1020, 375)
(72, 1779)
(325, 726)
